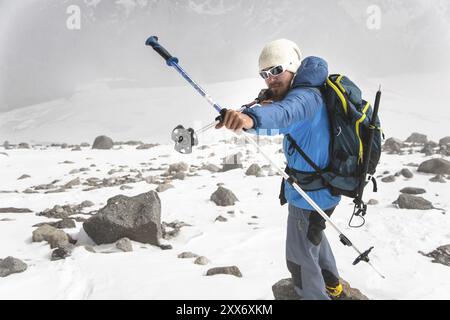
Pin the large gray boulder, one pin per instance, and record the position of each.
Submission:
(137, 218)
(407, 201)
(11, 265)
(393, 145)
(436, 166)
(223, 197)
(103, 143)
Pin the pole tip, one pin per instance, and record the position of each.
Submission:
(379, 88)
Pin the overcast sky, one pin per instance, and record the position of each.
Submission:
(42, 59)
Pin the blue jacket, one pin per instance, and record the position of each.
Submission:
(302, 114)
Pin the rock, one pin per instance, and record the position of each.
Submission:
(62, 224)
(372, 202)
(24, 145)
(232, 162)
(62, 252)
(428, 150)
(254, 170)
(11, 265)
(86, 203)
(210, 167)
(124, 244)
(223, 197)
(24, 176)
(125, 187)
(393, 145)
(163, 187)
(438, 178)
(179, 176)
(145, 146)
(74, 171)
(444, 141)
(151, 179)
(406, 173)
(73, 183)
(436, 166)
(57, 212)
(166, 247)
(221, 219)
(233, 270)
(202, 261)
(407, 201)
(28, 190)
(410, 190)
(178, 167)
(137, 218)
(187, 255)
(440, 255)
(284, 290)
(55, 237)
(15, 210)
(90, 249)
(388, 179)
(417, 138)
(103, 143)
(77, 148)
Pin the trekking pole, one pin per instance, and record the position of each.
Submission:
(360, 207)
(171, 61)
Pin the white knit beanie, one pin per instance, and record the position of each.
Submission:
(283, 52)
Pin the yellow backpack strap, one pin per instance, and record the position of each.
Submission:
(339, 93)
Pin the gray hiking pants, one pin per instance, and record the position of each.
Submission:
(308, 254)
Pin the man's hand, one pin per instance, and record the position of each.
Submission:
(236, 121)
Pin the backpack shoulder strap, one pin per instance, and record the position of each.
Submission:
(303, 154)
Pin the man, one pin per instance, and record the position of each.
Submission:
(298, 110)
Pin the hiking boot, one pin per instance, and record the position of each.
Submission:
(337, 293)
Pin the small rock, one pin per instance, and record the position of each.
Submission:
(178, 167)
(55, 237)
(24, 145)
(372, 202)
(444, 141)
(62, 252)
(86, 203)
(125, 187)
(164, 187)
(223, 197)
(124, 244)
(232, 162)
(210, 167)
(438, 178)
(15, 210)
(407, 201)
(179, 176)
(165, 247)
(202, 261)
(436, 166)
(417, 138)
(406, 173)
(90, 249)
(103, 143)
(73, 183)
(11, 265)
(24, 176)
(388, 179)
(440, 255)
(254, 170)
(187, 255)
(410, 190)
(221, 219)
(233, 270)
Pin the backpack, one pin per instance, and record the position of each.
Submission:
(350, 118)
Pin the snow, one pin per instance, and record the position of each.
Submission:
(149, 114)
(257, 249)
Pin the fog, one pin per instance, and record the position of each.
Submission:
(41, 59)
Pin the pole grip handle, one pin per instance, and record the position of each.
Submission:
(153, 42)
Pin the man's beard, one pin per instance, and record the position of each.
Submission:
(279, 92)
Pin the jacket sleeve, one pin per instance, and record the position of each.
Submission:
(299, 105)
